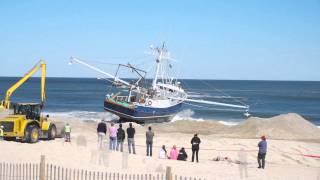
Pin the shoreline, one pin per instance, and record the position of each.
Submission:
(98, 115)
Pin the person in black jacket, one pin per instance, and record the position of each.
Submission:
(102, 131)
(195, 141)
(121, 135)
(131, 131)
(182, 155)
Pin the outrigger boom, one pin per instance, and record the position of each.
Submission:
(215, 103)
(73, 59)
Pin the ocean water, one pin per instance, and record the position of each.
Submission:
(83, 98)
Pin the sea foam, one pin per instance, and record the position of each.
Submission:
(85, 115)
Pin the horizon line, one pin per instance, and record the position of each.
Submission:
(178, 79)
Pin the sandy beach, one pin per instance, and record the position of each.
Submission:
(243, 76)
(289, 137)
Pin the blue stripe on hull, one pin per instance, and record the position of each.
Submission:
(142, 112)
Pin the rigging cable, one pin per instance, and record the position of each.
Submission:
(236, 100)
(218, 109)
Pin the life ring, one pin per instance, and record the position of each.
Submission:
(149, 102)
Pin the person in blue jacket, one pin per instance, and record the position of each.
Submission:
(262, 152)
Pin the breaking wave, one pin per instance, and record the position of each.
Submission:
(228, 123)
(85, 115)
(185, 115)
(188, 113)
(97, 116)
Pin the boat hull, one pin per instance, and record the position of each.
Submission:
(142, 114)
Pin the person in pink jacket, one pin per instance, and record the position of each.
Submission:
(113, 137)
(174, 153)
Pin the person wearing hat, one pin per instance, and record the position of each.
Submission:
(1, 132)
(102, 131)
(262, 152)
(195, 141)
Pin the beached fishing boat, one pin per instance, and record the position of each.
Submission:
(140, 101)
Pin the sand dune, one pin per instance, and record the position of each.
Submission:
(288, 127)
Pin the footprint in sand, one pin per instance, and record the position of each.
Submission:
(298, 151)
(222, 142)
(303, 148)
(295, 160)
(241, 145)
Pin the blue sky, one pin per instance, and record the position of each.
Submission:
(261, 39)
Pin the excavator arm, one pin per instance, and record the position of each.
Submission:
(41, 64)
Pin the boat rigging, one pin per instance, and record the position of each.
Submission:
(158, 102)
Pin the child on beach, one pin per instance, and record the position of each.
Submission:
(182, 155)
(174, 153)
(112, 137)
(163, 152)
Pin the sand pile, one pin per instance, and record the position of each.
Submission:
(288, 126)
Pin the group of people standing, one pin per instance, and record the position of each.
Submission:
(118, 135)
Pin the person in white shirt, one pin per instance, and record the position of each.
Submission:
(163, 153)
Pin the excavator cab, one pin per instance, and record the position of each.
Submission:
(30, 110)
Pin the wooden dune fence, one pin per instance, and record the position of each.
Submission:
(42, 171)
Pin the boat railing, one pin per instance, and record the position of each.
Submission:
(121, 98)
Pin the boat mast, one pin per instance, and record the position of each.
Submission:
(158, 61)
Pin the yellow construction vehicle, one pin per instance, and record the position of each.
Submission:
(25, 120)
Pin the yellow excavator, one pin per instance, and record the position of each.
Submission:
(25, 120)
